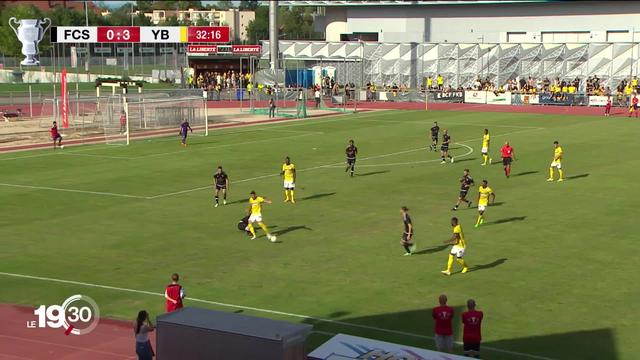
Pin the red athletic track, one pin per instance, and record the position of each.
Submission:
(534, 109)
(110, 340)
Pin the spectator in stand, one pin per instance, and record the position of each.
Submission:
(440, 82)
(142, 327)
(471, 335)
(443, 317)
(429, 83)
(174, 293)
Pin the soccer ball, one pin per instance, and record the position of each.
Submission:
(61, 146)
(273, 238)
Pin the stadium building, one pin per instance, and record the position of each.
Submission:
(512, 21)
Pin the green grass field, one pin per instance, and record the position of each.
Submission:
(553, 269)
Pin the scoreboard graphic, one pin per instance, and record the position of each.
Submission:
(140, 34)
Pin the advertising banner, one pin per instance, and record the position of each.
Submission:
(598, 100)
(452, 97)
(347, 347)
(498, 99)
(475, 97)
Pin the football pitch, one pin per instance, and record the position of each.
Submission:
(553, 268)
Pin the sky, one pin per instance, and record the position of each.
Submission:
(117, 4)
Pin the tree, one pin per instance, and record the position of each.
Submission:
(258, 29)
(144, 5)
(9, 43)
(171, 21)
(182, 5)
(224, 5)
(248, 5)
(202, 22)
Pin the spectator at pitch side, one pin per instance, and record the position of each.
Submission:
(142, 327)
(443, 332)
(471, 337)
(174, 293)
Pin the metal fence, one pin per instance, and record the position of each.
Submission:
(460, 64)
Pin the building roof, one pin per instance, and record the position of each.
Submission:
(401, 2)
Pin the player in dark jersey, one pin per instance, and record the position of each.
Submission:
(435, 131)
(243, 225)
(466, 181)
(352, 152)
(184, 127)
(444, 149)
(407, 235)
(221, 181)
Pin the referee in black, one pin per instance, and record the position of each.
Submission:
(407, 235)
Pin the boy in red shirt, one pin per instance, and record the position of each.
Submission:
(507, 157)
(55, 136)
(607, 108)
(472, 320)
(174, 293)
(442, 317)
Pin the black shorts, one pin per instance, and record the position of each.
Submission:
(221, 187)
(506, 161)
(463, 193)
(471, 347)
(635, 106)
(444, 148)
(351, 161)
(434, 138)
(405, 237)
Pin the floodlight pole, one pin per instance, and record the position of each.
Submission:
(126, 114)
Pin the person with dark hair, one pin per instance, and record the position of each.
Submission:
(55, 136)
(466, 181)
(221, 181)
(435, 131)
(243, 225)
(457, 250)
(184, 129)
(352, 152)
(407, 236)
(174, 293)
(272, 108)
(142, 327)
(443, 330)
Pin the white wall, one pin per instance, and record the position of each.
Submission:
(553, 22)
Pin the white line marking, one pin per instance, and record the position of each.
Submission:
(251, 308)
(469, 152)
(96, 155)
(73, 191)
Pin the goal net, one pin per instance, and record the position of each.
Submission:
(139, 117)
(290, 102)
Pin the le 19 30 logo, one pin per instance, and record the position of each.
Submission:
(77, 315)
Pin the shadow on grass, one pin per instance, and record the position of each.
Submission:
(290, 229)
(431, 250)
(506, 220)
(524, 173)
(489, 265)
(415, 328)
(580, 176)
(317, 196)
(373, 173)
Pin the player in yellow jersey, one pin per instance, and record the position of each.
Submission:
(557, 162)
(485, 147)
(484, 193)
(458, 248)
(289, 175)
(255, 215)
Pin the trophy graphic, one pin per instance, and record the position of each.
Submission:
(30, 33)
